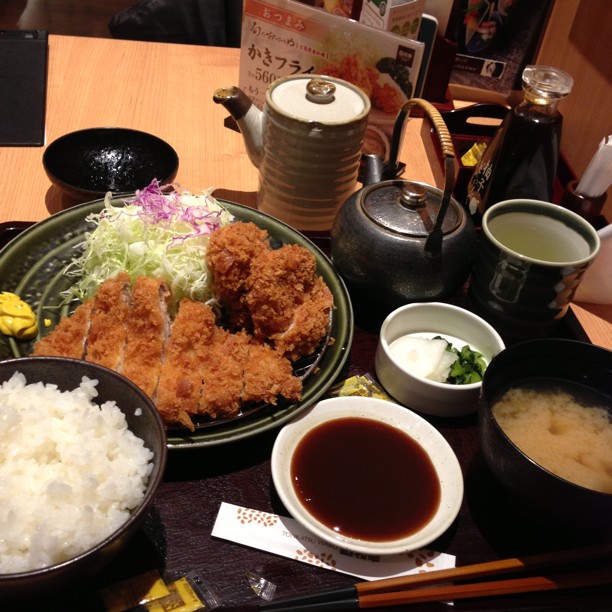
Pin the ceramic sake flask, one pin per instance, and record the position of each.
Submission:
(306, 143)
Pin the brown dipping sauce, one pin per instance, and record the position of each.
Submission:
(365, 479)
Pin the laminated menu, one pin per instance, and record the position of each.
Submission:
(23, 83)
(398, 16)
(283, 37)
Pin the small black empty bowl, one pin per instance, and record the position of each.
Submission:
(582, 369)
(89, 163)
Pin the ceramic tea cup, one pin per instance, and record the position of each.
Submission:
(531, 259)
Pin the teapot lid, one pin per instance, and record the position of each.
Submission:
(318, 98)
(409, 208)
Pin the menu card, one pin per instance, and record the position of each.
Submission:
(23, 83)
(283, 37)
(400, 16)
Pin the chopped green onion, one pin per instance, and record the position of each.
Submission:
(468, 367)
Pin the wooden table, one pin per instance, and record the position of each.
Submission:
(167, 90)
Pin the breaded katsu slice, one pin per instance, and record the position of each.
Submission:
(309, 324)
(288, 303)
(267, 375)
(108, 322)
(180, 381)
(148, 329)
(229, 254)
(222, 374)
(238, 371)
(69, 337)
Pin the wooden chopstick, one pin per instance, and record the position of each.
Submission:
(489, 568)
(487, 589)
(396, 590)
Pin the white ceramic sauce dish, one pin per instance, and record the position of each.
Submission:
(431, 442)
(456, 325)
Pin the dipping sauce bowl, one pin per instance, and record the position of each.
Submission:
(367, 475)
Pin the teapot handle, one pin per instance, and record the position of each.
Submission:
(433, 244)
(446, 143)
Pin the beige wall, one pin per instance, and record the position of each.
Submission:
(578, 39)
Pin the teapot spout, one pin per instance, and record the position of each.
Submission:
(248, 117)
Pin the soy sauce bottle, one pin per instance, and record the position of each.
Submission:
(521, 160)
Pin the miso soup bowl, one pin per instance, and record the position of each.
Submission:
(539, 494)
(457, 325)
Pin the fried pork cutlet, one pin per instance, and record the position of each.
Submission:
(190, 366)
(108, 326)
(69, 336)
(222, 373)
(288, 303)
(267, 375)
(229, 254)
(180, 382)
(309, 324)
(239, 370)
(148, 328)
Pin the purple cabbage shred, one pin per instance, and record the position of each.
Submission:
(160, 207)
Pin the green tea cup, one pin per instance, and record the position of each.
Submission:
(531, 258)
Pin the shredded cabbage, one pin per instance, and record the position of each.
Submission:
(158, 234)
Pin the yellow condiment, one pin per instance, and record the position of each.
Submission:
(16, 317)
(472, 156)
(133, 592)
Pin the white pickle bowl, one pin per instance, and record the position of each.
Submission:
(458, 326)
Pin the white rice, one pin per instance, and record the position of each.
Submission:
(70, 472)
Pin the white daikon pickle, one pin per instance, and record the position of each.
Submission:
(426, 357)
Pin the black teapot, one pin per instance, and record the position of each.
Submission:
(396, 241)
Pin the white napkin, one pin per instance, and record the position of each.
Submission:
(286, 537)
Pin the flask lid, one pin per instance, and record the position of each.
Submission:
(323, 99)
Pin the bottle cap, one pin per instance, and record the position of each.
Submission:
(551, 83)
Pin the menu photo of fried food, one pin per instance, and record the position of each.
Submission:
(209, 361)
(388, 84)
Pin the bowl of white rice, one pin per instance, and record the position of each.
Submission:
(83, 453)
